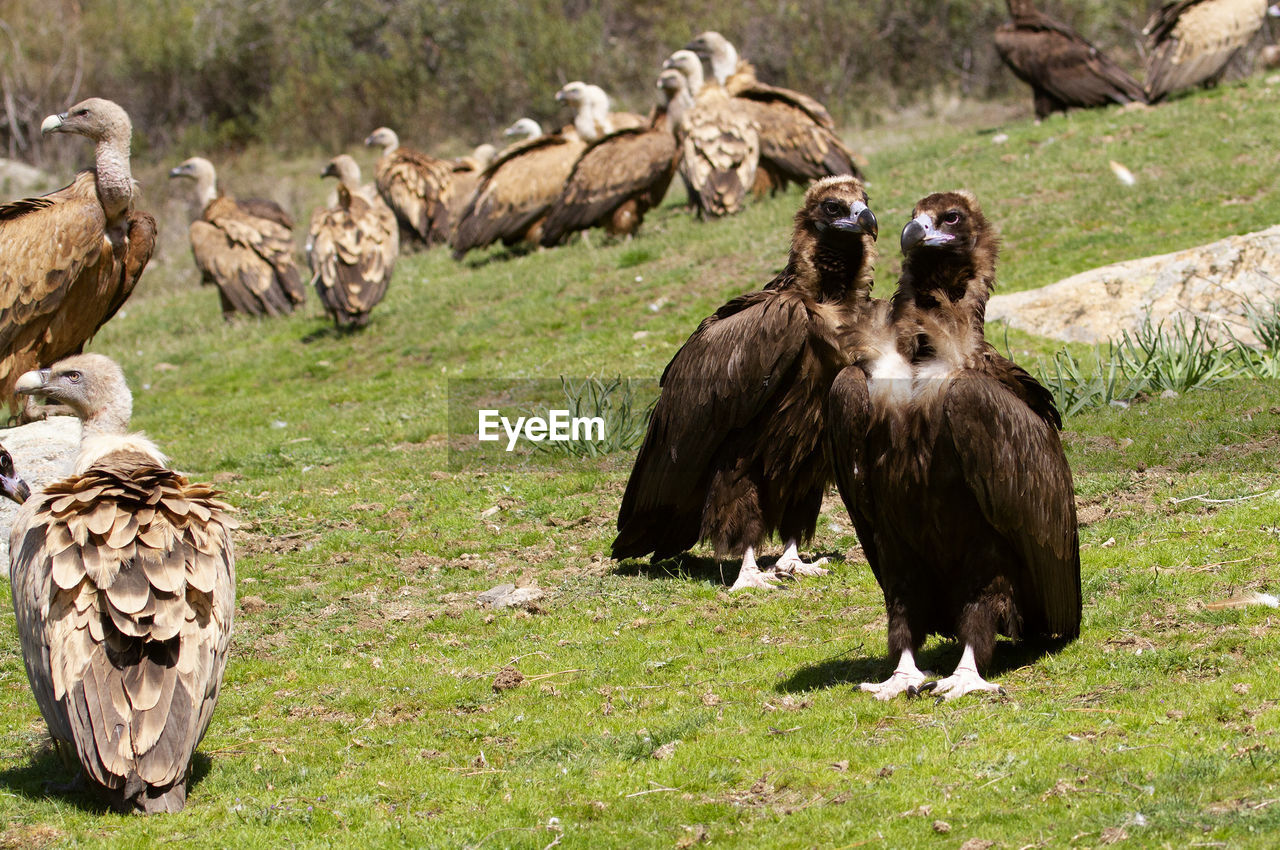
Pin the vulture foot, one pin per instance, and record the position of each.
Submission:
(750, 576)
(790, 564)
(958, 684)
(907, 679)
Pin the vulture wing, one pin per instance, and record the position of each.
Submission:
(848, 420)
(268, 209)
(60, 277)
(634, 164)
(794, 147)
(516, 191)
(752, 89)
(720, 151)
(417, 187)
(124, 590)
(717, 383)
(1191, 41)
(352, 254)
(236, 256)
(1014, 464)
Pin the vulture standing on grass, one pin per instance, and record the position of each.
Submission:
(418, 188)
(734, 449)
(617, 179)
(798, 143)
(1062, 68)
(244, 247)
(1190, 42)
(719, 143)
(517, 191)
(123, 579)
(948, 460)
(352, 247)
(69, 259)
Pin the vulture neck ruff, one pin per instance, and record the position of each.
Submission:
(832, 268)
(114, 178)
(953, 286)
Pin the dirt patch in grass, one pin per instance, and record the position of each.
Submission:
(23, 837)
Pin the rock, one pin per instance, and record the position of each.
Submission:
(1214, 282)
(42, 453)
(510, 596)
(493, 594)
(20, 180)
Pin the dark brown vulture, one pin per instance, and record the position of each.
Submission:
(418, 188)
(948, 460)
(1190, 42)
(734, 450)
(616, 180)
(719, 143)
(1062, 68)
(352, 247)
(69, 259)
(123, 579)
(244, 247)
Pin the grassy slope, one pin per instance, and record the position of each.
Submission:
(358, 706)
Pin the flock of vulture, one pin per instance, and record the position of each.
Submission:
(946, 454)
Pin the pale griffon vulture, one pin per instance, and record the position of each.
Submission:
(352, 247)
(418, 188)
(69, 259)
(243, 247)
(123, 579)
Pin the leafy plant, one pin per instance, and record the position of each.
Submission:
(615, 402)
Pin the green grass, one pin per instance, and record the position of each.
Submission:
(658, 711)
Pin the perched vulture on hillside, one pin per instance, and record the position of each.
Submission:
(947, 457)
(123, 579)
(719, 143)
(517, 191)
(1062, 68)
(617, 179)
(418, 188)
(739, 78)
(352, 247)
(734, 450)
(69, 259)
(1190, 42)
(244, 247)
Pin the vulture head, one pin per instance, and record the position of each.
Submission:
(343, 167)
(200, 170)
(525, 128)
(385, 138)
(674, 94)
(92, 385)
(10, 484)
(573, 93)
(949, 245)
(95, 118)
(483, 155)
(835, 233)
(687, 63)
(716, 50)
(590, 105)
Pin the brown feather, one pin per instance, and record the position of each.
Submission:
(249, 257)
(352, 251)
(1191, 42)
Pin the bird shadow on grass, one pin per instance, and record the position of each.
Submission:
(329, 332)
(936, 661)
(683, 566)
(45, 777)
(508, 253)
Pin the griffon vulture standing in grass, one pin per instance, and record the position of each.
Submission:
(244, 247)
(123, 579)
(352, 247)
(734, 450)
(739, 78)
(719, 143)
(69, 259)
(517, 191)
(418, 188)
(948, 460)
(617, 179)
(1062, 68)
(1190, 42)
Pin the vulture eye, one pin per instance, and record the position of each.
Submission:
(952, 217)
(833, 208)
(73, 377)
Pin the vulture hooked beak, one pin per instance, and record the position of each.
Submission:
(10, 484)
(329, 171)
(922, 231)
(32, 383)
(860, 220)
(178, 171)
(53, 124)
